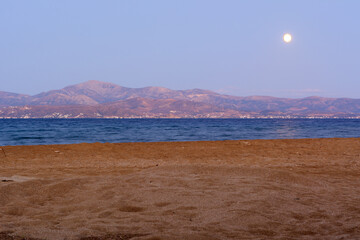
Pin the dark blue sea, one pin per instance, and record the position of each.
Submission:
(65, 131)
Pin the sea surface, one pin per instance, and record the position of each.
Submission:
(66, 131)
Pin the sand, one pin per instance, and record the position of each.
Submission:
(259, 189)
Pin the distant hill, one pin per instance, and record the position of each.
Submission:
(130, 108)
(13, 99)
(95, 92)
(101, 99)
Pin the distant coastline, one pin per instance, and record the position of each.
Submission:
(95, 99)
(260, 117)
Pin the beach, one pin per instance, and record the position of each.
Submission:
(238, 189)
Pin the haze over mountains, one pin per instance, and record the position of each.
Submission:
(101, 99)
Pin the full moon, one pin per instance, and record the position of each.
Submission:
(287, 37)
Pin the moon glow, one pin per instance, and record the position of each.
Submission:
(287, 37)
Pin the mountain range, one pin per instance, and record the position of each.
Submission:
(95, 99)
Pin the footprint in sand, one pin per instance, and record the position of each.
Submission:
(15, 179)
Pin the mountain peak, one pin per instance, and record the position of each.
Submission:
(94, 84)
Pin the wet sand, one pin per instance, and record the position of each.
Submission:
(259, 189)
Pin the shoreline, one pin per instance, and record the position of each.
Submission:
(186, 141)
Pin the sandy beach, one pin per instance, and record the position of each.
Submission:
(258, 189)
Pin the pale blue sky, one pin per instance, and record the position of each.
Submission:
(229, 46)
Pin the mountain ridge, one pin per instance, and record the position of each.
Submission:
(104, 99)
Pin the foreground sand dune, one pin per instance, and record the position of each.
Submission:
(259, 189)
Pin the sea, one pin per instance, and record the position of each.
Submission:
(67, 131)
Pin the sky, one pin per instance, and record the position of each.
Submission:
(229, 46)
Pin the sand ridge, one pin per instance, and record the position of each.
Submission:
(258, 189)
